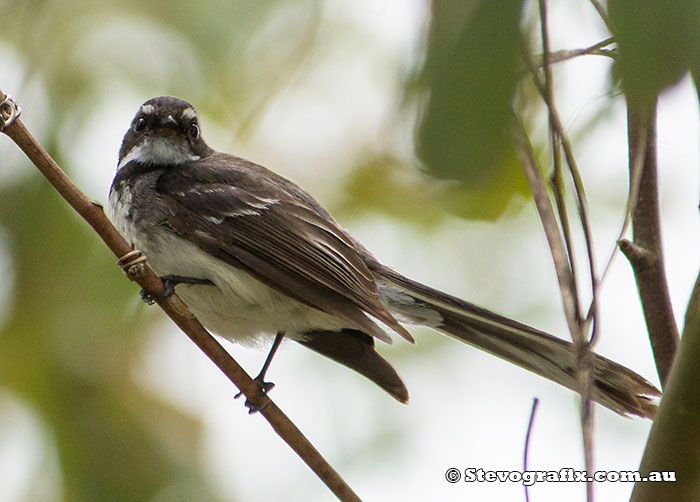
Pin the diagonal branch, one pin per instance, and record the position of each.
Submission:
(598, 6)
(645, 252)
(526, 158)
(93, 213)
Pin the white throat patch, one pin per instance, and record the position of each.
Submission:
(159, 151)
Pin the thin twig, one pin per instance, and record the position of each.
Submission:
(526, 158)
(635, 168)
(93, 213)
(565, 55)
(557, 180)
(582, 205)
(530, 423)
(584, 371)
(557, 125)
(601, 12)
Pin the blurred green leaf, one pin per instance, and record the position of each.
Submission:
(470, 78)
(386, 185)
(64, 351)
(657, 44)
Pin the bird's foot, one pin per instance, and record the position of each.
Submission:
(265, 387)
(169, 283)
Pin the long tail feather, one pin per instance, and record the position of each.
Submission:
(615, 386)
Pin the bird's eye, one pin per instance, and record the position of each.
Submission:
(140, 124)
(194, 130)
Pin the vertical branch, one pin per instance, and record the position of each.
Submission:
(557, 179)
(645, 252)
(673, 442)
(584, 363)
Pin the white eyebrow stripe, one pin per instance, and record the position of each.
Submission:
(147, 109)
(189, 113)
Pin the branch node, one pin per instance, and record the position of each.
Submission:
(133, 264)
(640, 257)
(9, 111)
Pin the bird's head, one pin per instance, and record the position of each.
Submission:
(165, 131)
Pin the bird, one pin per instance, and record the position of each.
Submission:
(254, 256)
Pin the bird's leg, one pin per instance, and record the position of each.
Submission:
(169, 282)
(260, 379)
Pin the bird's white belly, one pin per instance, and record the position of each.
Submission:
(238, 307)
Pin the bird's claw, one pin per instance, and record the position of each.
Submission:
(146, 298)
(169, 290)
(265, 387)
(169, 283)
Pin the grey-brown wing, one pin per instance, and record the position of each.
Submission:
(282, 241)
